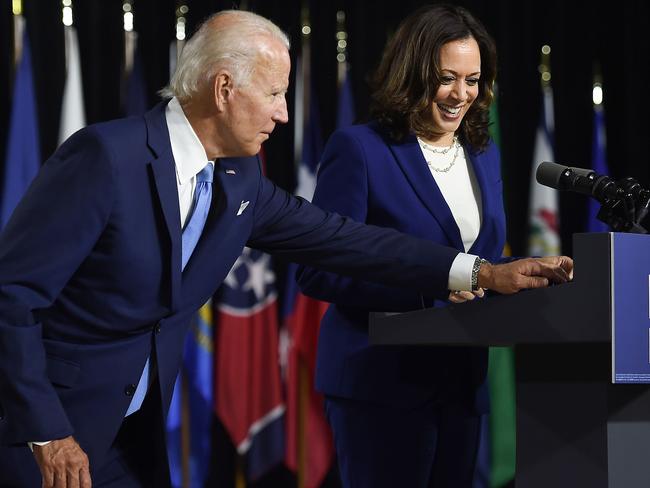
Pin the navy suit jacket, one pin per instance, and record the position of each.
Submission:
(91, 281)
(369, 177)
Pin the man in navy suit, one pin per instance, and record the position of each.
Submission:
(98, 279)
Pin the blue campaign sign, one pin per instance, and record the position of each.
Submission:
(630, 308)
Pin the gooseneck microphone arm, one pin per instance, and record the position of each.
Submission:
(624, 204)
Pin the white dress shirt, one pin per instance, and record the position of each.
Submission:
(189, 156)
(462, 193)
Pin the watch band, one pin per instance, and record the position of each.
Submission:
(475, 269)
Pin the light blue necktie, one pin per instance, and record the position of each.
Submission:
(191, 234)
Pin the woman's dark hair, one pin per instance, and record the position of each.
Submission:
(408, 76)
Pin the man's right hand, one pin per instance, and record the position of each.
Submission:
(63, 464)
(525, 273)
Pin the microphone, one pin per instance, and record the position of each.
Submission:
(579, 180)
(625, 204)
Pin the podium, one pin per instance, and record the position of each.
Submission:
(575, 427)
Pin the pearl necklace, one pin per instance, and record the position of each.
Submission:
(435, 150)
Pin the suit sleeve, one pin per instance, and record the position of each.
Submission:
(52, 230)
(293, 229)
(343, 188)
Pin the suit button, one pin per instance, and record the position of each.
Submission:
(157, 328)
(130, 390)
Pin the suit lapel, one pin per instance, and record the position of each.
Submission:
(409, 156)
(486, 208)
(164, 175)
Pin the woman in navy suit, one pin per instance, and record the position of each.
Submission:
(406, 416)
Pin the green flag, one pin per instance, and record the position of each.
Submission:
(501, 379)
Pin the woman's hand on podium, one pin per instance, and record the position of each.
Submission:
(465, 296)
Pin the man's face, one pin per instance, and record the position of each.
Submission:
(254, 109)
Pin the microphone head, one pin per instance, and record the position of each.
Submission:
(549, 174)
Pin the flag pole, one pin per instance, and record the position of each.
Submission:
(545, 66)
(129, 48)
(181, 24)
(598, 150)
(68, 20)
(341, 48)
(185, 430)
(66, 13)
(129, 35)
(597, 90)
(302, 88)
(543, 213)
(19, 26)
(176, 46)
(73, 116)
(303, 373)
(180, 30)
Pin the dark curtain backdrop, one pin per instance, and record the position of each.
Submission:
(581, 34)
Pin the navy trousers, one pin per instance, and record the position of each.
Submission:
(137, 457)
(430, 446)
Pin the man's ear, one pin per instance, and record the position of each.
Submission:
(223, 89)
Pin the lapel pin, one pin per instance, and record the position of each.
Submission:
(242, 207)
(230, 172)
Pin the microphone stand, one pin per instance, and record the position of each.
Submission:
(625, 208)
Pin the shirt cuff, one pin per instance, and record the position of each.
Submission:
(460, 273)
(37, 443)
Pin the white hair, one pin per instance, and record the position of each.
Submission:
(219, 45)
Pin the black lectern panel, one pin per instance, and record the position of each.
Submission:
(574, 428)
(573, 312)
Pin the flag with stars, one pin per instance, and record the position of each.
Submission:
(247, 385)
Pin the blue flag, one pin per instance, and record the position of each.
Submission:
(175, 435)
(345, 114)
(23, 157)
(194, 391)
(136, 102)
(599, 165)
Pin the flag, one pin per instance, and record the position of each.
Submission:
(544, 237)
(310, 450)
(247, 384)
(190, 417)
(501, 380)
(174, 428)
(502, 425)
(599, 165)
(23, 157)
(308, 434)
(345, 113)
(73, 115)
(135, 99)
(311, 139)
(192, 402)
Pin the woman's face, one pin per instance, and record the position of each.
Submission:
(460, 69)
